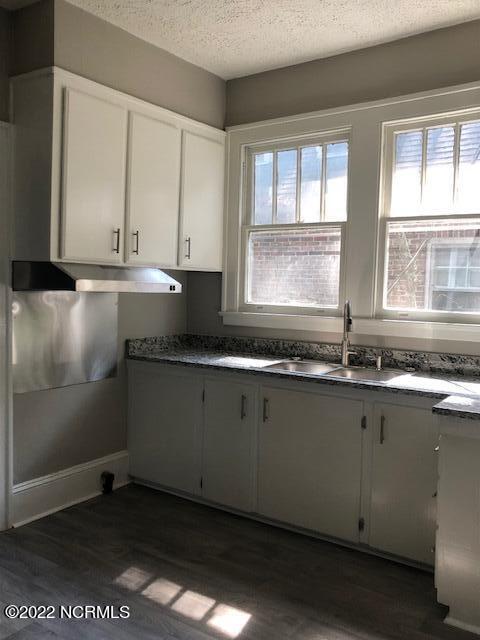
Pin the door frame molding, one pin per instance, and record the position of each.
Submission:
(6, 451)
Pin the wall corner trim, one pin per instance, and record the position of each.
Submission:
(42, 496)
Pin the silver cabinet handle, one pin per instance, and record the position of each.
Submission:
(243, 407)
(265, 409)
(136, 235)
(382, 429)
(116, 246)
(188, 252)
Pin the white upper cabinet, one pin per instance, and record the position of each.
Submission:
(153, 184)
(98, 177)
(201, 211)
(93, 202)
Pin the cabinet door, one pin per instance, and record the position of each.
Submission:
(164, 427)
(201, 238)
(404, 480)
(227, 443)
(153, 192)
(93, 199)
(309, 465)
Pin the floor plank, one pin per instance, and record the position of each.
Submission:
(189, 572)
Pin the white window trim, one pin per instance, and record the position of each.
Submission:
(321, 138)
(365, 122)
(290, 309)
(389, 130)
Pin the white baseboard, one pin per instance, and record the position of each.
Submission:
(41, 496)
(466, 626)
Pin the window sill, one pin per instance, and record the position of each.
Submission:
(361, 326)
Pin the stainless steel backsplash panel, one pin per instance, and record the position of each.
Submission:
(62, 338)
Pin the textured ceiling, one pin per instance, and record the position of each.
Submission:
(238, 37)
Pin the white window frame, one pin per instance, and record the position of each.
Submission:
(363, 239)
(389, 130)
(247, 227)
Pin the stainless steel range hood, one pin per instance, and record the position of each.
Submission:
(50, 276)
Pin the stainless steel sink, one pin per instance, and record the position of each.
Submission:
(372, 375)
(303, 366)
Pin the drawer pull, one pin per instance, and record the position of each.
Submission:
(265, 409)
(382, 429)
(116, 246)
(136, 235)
(243, 407)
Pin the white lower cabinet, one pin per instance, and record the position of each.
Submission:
(229, 425)
(297, 455)
(309, 461)
(457, 574)
(164, 427)
(404, 481)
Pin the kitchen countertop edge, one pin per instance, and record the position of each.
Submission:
(448, 405)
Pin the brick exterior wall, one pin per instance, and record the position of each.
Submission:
(408, 260)
(300, 267)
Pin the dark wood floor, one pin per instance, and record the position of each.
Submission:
(193, 573)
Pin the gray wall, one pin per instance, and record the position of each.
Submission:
(4, 61)
(427, 61)
(56, 32)
(432, 60)
(59, 428)
(204, 303)
(32, 37)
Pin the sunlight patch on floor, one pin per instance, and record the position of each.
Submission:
(133, 578)
(162, 591)
(229, 620)
(193, 605)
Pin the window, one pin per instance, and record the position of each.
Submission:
(295, 213)
(431, 220)
(454, 276)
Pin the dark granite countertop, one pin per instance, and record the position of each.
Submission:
(460, 396)
(459, 407)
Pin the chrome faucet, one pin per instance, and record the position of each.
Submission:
(347, 326)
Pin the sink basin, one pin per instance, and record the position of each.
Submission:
(303, 366)
(372, 375)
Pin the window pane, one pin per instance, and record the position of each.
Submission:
(429, 265)
(294, 267)
(407, 174)
(474, 278)
(336, 181)
(263, 185)
(286, 186)
(468, 195)
(438, 190)
(311, 177)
